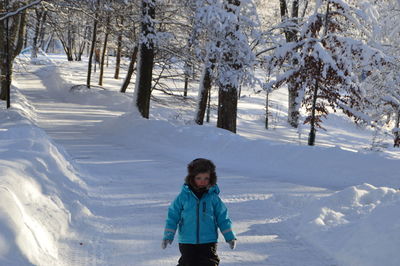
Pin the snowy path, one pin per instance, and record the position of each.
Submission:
(129, 191)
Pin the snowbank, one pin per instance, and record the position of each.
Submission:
(332, 168)
(359, 225)
(36, 181)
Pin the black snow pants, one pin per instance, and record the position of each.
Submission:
(198, 255)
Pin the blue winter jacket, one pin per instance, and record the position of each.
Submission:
(197, 220)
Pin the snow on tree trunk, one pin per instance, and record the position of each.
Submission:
(228, 48)
(396, 130)
(144, 72)
(229, 81)
(293, 105)
(12, 31)
(39, 14)
(291, 36)
(204, 90)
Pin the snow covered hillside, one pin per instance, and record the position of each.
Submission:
(85, 181)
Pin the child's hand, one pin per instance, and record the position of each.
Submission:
(232, 243)
(165, 242)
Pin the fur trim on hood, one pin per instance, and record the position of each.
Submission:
(201, 165)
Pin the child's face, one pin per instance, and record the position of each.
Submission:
(202, 180)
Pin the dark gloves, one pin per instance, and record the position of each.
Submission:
(165, 242)
(232, 243)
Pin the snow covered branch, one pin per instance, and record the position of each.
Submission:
(19, 10)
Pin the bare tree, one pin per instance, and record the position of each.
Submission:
(106, 33)
(119, 48)
(41, 14)
(93, 44)
(129, 73)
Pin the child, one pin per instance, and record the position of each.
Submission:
(197, 212)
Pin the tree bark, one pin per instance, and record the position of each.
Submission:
(293, 105)
(312, 134)
(187, 68)
(39, 14)
(293, 86)
(204, 91)
(12, 31)
(130, 70)
(89, 74)
(267, 110)
(228, 93)
(146, 59)
(42, 29)
(81, 48)
(227, 108)
(397, 133)
(70, 43)
(119, 49)
(104, 52)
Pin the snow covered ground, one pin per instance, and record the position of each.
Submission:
(85, 181)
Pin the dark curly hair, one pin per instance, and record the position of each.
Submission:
(198, 166)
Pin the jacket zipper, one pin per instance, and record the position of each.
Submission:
(198, 217)
(198, 222)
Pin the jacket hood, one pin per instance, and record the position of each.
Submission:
(200, 165)
(212, 189)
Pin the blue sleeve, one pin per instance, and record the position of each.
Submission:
(223, 220)
(174, 215)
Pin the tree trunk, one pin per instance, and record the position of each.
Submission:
(69, 55)
(104, 52)
(119, 49)
(227, 108)
(267, 110)
(70, 43)
(47, 43)
(186, 84)
(312, 135)
(187, 71)
(11, 42)
(293, 87)
(204, 91)
(208, 106)
(89, 74)
(146, 59)
(42, 29)
(313, 132)
(130, 70)
(228, 92)
(293, 105)
(39, 14)
(3, 54)
(79, 51)
(396, 132)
